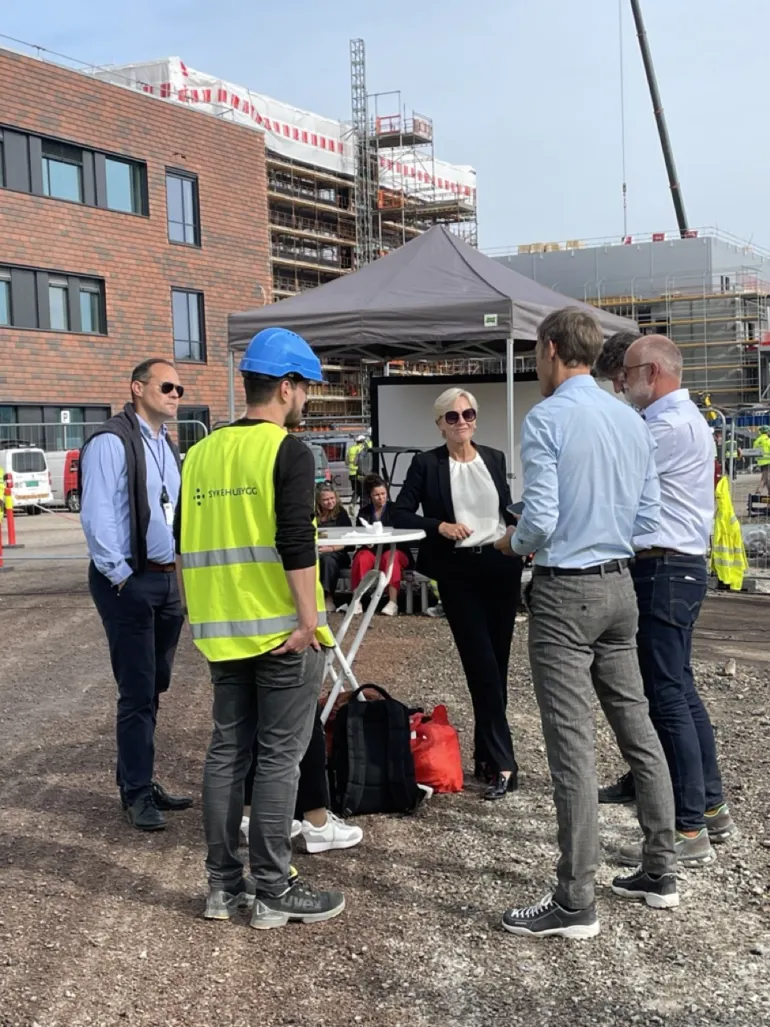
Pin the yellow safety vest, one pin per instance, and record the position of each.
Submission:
(238, 598)
(763, 443)
(728, 555)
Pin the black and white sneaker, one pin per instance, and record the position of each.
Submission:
(658, 892)
(549, 919)
(300, 903)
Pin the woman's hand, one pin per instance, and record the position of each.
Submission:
(454, 532)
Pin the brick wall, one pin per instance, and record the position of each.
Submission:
(130, 252)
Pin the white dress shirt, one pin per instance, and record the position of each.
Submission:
(685, 461)
(476, 502)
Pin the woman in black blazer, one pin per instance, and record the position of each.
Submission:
(464, 494)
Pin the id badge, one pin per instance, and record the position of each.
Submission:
(168, 511)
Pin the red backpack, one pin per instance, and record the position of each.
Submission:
(436, 751)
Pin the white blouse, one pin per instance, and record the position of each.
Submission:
(476, 502)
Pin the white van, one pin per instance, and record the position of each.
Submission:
(26, 471)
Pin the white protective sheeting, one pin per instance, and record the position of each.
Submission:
(289, 131)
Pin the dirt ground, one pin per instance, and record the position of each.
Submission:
(101, 925)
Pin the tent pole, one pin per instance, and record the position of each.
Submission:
(510, 371)
(231, 384)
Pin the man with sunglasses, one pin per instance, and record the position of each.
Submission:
(130, 476)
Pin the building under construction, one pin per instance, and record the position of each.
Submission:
(708, 292)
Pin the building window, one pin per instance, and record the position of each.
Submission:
(192, 427)
(91, 308)
(42, 426)
(57, 301)
(62, 171)
(189, 335)
(5, 298)
(182, 207)
(125, 190)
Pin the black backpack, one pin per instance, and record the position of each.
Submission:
(371, 768)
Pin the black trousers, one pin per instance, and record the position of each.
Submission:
(331, 565)
(142, 623)
(480, 593)
(313, 790)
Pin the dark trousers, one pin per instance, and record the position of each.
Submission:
(670, 591)
(330, 566)
(265, 704)
(142, 622)
(480, 593)
(313, 788)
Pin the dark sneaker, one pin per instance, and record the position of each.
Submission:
(548, 919)
(222, 903)
(691, 853)
(164, 801)
(624, 790)
(144, 814)
(658, 892)
(720, 825)
(300, 903)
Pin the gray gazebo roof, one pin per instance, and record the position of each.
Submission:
(434, 295)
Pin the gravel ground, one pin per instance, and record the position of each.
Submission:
(100, 925)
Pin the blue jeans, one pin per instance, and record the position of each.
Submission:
(670, 591)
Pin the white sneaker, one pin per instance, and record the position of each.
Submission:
(358, 611)
(335, 834)
(296, 828)
(390, 609)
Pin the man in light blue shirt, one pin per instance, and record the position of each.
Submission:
(129, 488)
(590, 485)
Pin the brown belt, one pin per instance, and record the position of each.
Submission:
(657, 551)
(161, 568)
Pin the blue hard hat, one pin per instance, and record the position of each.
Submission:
(277, 352)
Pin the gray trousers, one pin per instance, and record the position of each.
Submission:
(582, 638)
(271, 699)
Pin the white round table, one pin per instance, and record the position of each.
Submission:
(376, 580)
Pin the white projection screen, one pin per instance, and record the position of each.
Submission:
(402, 414)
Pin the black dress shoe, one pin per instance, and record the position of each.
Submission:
(502, 786)
(144, 814)
(164, 801)
(624, 790)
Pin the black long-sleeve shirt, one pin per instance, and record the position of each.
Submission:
(294, 482)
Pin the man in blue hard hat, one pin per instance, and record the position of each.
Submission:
(246, 537)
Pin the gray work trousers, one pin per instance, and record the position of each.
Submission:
(272, 699)
(582, 638)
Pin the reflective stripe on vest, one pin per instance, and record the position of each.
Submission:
(247, 628)
(225, 557)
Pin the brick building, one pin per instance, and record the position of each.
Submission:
(129, 228)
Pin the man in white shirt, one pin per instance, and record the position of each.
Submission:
(670, 578)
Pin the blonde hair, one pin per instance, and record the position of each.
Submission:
(447, 400)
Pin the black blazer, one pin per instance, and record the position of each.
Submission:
(428, 486)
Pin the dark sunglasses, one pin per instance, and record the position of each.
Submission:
(168, 387)
(453, 416)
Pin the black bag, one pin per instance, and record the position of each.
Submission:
(371, 769)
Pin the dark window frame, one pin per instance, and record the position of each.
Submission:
(198, 293)
(185, 176)
(5, 285)
(62, 158)
(30, 299)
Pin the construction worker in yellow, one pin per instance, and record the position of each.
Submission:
(762, 442)
(359, 465)
(247, 550)
(728, 555)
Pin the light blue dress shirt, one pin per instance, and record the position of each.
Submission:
(590, 483)
(104, 512)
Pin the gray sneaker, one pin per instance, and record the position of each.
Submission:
(300, 903)
(720, 825)
(223, 903)
(692, 853)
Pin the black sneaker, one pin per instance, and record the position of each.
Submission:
(548, 919)
(624, 790)
(144, 814)
(300, 903)
(658, 892)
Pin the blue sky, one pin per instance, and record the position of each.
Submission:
(526, 91)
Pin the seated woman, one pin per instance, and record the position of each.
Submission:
(330, 513)
(378, 509)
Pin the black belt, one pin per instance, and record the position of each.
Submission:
(473, 550)
(610, 567)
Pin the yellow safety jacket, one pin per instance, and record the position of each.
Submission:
(728, 555)
(238, 598)
(763, 443)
